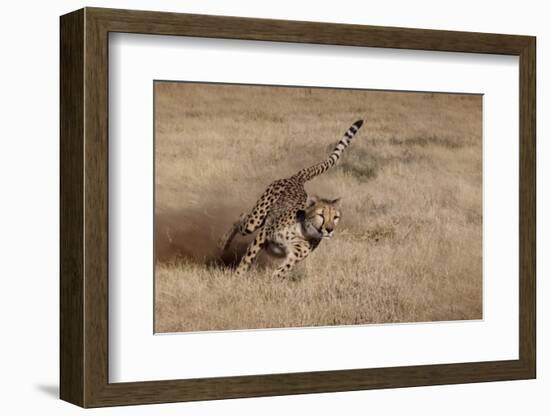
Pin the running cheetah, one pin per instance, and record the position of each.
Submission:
(286, 220)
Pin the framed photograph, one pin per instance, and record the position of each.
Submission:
(255, 207)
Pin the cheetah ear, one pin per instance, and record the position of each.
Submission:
(336, 201)
(300, 215)
(312, 200)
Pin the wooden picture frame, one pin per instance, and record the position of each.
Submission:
(84, 207)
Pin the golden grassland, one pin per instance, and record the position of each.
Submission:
(408, 248)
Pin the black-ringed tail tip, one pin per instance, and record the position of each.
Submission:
(317, 169)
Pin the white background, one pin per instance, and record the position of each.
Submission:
(29, 217)
(135, 354)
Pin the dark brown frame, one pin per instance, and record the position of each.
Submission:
(84, 207)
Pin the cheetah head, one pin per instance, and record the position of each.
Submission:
(320, 217)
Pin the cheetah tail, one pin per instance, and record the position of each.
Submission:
(315, 170)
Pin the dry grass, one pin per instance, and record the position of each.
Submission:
(408, 249)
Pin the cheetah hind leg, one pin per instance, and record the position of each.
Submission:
(257, 217)
(227, 238)
(248, 223)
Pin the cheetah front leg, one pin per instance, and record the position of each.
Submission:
(251, 253)
(297, 253)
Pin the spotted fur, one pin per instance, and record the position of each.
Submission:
(284, 218)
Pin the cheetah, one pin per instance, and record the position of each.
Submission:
(287, 220)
